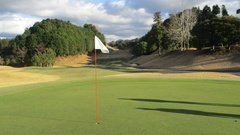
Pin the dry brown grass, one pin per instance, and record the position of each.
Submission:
(10, 76)
(194, 74)
(190, 60)
(115, 49)
(72, 61)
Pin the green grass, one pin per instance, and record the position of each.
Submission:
(127, 105)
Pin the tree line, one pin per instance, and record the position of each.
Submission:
(189, 28)
(45, 40)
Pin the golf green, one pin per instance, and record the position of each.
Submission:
(127, 106)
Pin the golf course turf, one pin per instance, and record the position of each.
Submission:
(128, 105)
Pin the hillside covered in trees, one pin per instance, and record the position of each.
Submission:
(194, 27)
(41, 43)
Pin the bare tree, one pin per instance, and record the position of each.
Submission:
(180, 27)
(190, 20)
(173, 30)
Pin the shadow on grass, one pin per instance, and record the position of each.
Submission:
(187, 111)
(180, 102)
(193, 112)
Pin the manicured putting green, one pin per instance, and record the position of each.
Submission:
(127, 106)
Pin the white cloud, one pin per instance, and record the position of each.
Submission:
(115, 37)
(117, 18)
(15, 23)
(118, 4)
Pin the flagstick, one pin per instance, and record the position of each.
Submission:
(96, 83)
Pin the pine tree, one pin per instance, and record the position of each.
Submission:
(224, 11)
(238, 11)
(215, 10)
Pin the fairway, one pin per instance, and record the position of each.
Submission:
(128, 105)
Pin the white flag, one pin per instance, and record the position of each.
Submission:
(100, 45)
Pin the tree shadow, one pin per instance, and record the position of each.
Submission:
(180, 102)
(193, 112)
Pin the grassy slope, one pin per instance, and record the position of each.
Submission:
(189, 59)
(128, 105)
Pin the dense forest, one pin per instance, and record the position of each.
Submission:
(190, 28)
(41, 43)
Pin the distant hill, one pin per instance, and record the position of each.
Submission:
(50, 38)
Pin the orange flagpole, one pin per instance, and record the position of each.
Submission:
(96, 83)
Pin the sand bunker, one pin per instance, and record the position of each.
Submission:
(13, 76)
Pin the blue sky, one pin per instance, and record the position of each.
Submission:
(116, 19)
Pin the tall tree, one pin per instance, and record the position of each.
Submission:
(238, 11)
(219, 30)
(206, 13)
(181, 25)
(158, 30)
(173, 31)
(157, 18)
(154, 36)
(215, 10)
(140, 48)
(224, 11)
(44, 59)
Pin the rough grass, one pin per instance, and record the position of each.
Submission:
(13, 76)
(127, 105)
(190, 60)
